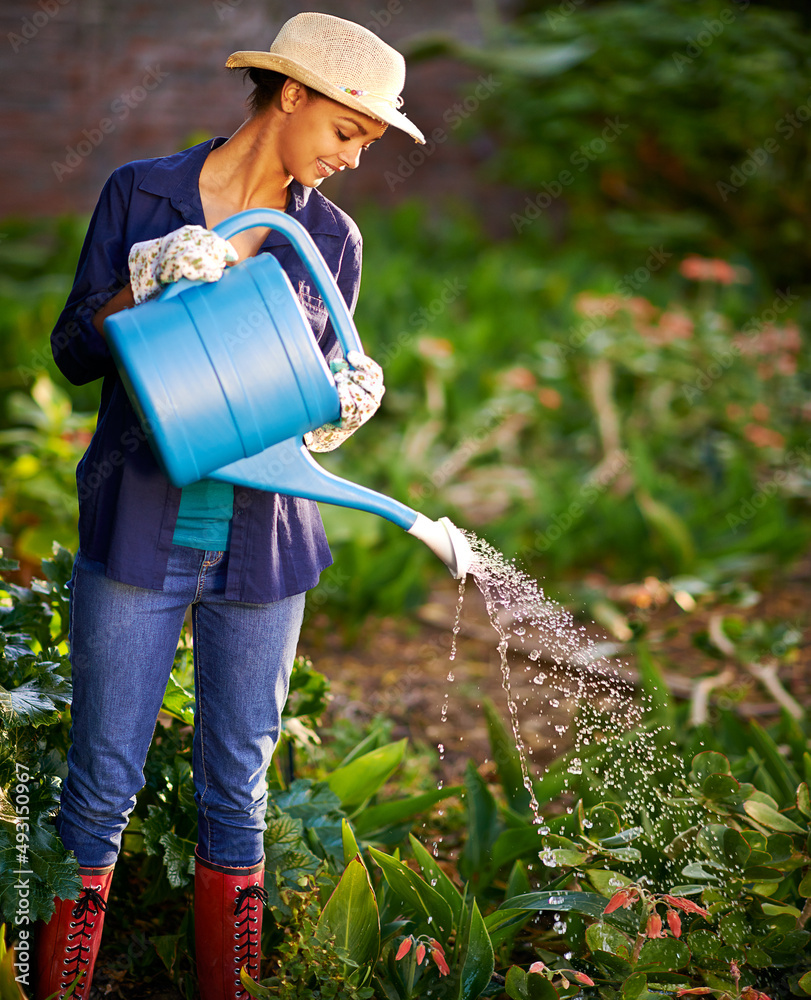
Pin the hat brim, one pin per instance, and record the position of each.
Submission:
(368, 104)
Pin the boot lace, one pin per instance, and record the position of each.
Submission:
(87, 906)
(246, 949)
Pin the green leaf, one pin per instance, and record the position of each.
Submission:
(37, 701)
(770, 818)
(437, 878)
(390, 813)
(483, 825)
(415, 894)
(478, 962)
(706, 763)
(805, 983)
(565, 899)
(178, 858)
(720, 787)
(501, 924)
(507, 758)
(520, 985)
(607, 882)
(779, 768)
(602, 936)
(351, 849)
(520, 841)
(634, 986)
(804, 800)
(805, 885)
(667, 954)
(772, 910)
(665, 522)
(178, 701)
(350, 922)
(358, 781)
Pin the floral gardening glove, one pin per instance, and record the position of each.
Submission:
(188, 252)
(360, 389)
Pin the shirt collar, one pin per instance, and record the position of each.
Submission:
(177, 178)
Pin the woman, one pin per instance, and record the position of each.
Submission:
(243, 560)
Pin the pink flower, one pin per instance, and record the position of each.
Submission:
(404, 949)
(439, 957)
(420, 953)
(687, 905)
(537, 967)
(674, 923)
(697, 268)
(625, 898)
(654, 928)
(581, 977)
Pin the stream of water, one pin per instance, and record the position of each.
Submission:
(574, 689)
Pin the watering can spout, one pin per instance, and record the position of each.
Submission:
(445, 540)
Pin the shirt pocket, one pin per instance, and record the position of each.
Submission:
(314, 308)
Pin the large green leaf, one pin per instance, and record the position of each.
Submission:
(706, 763)
(781, 769)
(390, 813)
(602, 936)
(501, 924)
(350, 922)
(522, 985)
(351, 849)
(437, 878)
(564, 899)
(478, 961)
(178, 701)
(770, 818)
(427, 905)
(358, 781)
(37, 701)
(507, 758)
(665, 954)
(483, 824)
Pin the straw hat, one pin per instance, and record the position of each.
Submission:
(341, 60)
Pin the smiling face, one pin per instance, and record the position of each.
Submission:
(321, 136)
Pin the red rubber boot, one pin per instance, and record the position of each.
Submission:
(228, 905)
(68, 944)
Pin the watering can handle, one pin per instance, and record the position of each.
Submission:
(305, 247)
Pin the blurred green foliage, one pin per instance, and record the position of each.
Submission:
(618, 385)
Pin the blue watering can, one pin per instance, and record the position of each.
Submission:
(226, 378)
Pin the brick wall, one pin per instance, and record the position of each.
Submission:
(86, 85)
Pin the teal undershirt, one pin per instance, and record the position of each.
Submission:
(204, 518)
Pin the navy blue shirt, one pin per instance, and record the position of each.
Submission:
(127, 507)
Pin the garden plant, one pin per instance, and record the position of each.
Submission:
(609, 382)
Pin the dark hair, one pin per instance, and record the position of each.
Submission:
(267, 84)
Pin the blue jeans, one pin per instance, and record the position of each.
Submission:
(123, 641)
